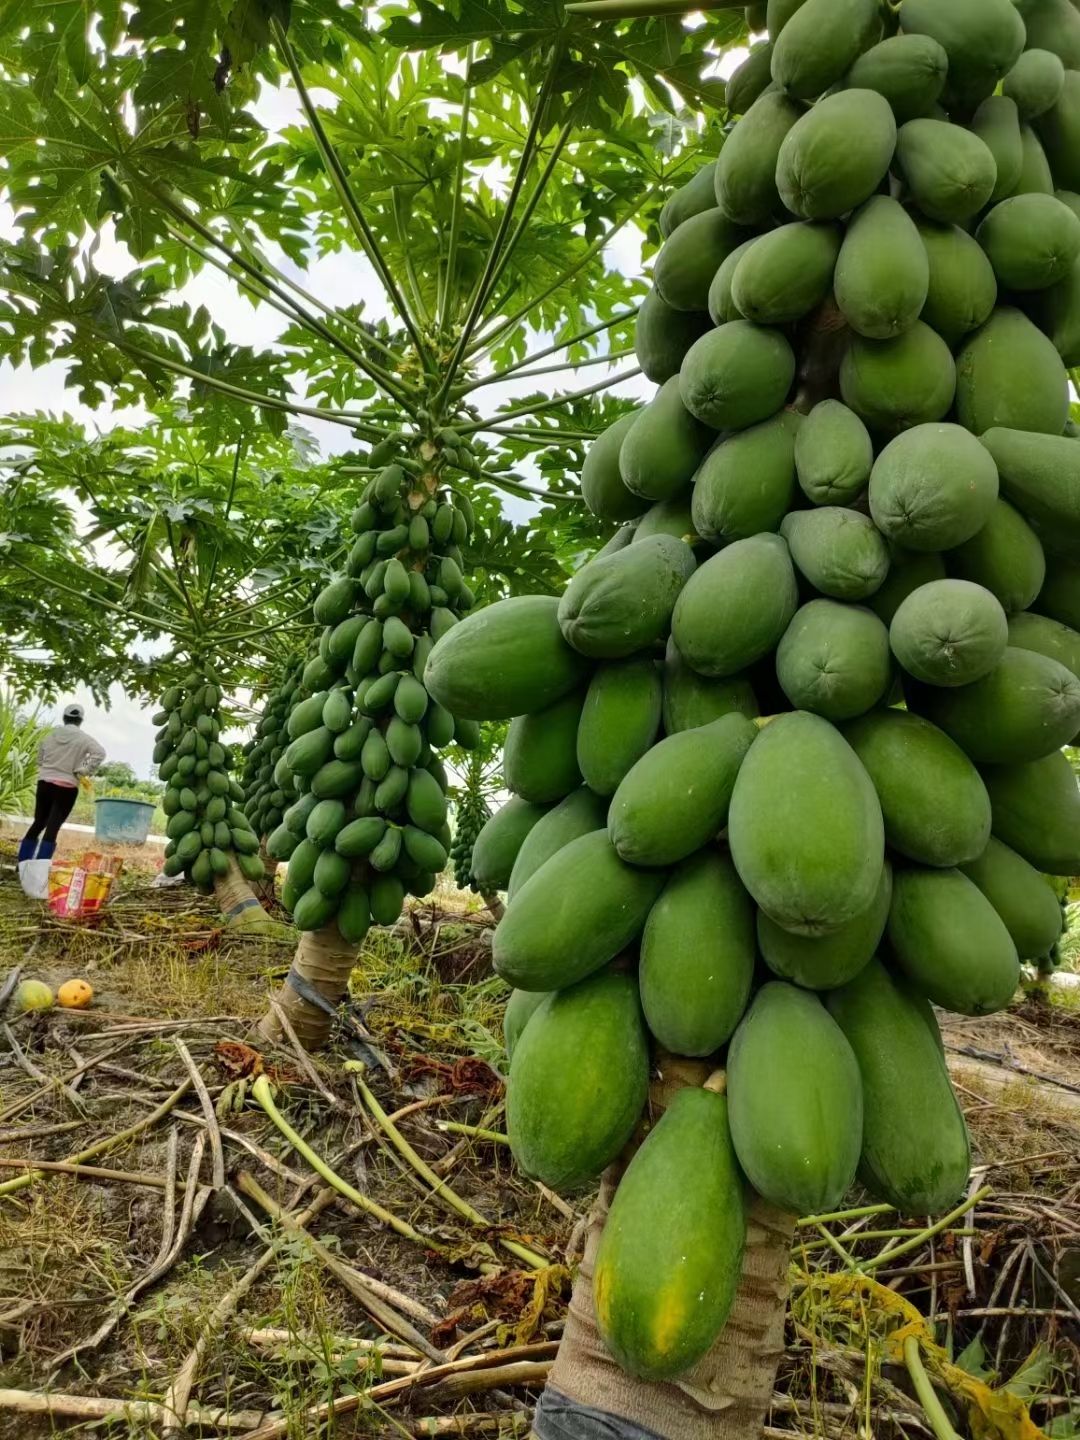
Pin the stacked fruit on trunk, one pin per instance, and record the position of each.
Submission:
(264, 801)
(787, 753)
(206, 828)
(365, 817)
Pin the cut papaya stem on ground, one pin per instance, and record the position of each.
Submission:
(262, 1093)
(928, 1399)
(520, 1252)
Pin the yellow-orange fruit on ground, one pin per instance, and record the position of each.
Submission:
(75, 994)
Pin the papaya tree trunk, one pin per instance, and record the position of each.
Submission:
(325, 961)
(726, 1395)
(495, 906)
(240, 907)
(265, 888)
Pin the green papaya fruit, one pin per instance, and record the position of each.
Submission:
(1024, 900)
(908, 70)
(833, 454)
(1029, 631)
(746, 171)
(662, 336)
(838, 551)
(658, 1314)
(822, 962)
(1005, 557)
(689, 258)
(997, 124)
(908, 570)
(690, 699)
(915, 1154)
(745, 484)
(949, 171)
(579, 814)
(578, 911)
(1040, 475)
(602, 486)
(795, 1101)
(1036, 810)
(933, 487)
(619, 721)
(664, 446)
(1008, 375)
(785, 273)
(327, 817)
(1036, 177)
(951, 943)
(747, 81)
(496, 847)
(737, 375)
(667, 517)
(836, 155)
(1027, 707)
(882, 274)
(354, 914)
(507, 659)
(722, 307)
(676, 798)
(834, 660)
(895, 384)
(1032, 241)
(1056, 311)
(578, 1080)
(821, 42)
(963, 288)
(777, 15)
(520, 1008)
(805, 826)
(949, 632)
(540, 752)
(982, 38)
(698, 194)
(734, 609)
(1053, 25)
(622, 603)
(314, 909)
(935, 806)
(697, 956)
(1059, 127)
(1060, 595)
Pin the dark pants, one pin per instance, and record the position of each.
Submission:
(53, 805)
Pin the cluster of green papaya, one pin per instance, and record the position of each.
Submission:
(786, 755)
(206, 828)
(471, 815)
(364, 795)
(264, 802)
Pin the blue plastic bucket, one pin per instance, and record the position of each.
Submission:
(125, 822)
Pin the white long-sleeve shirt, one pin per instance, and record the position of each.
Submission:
(67, 752)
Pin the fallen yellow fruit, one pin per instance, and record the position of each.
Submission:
(75, 994)
(32, 995)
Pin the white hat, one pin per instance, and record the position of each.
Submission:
(73, 712)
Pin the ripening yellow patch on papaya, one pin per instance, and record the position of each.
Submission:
(669, 1320)
(602, 1296)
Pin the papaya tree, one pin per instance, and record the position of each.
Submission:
(174, 537)
(480, 200)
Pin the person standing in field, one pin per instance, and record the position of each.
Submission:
(66, 753)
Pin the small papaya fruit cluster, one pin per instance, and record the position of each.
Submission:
(206, 827)
(363, 794)
(264, 803)
(786, 755)
(470, 817)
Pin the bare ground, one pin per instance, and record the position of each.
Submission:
(118, 1289)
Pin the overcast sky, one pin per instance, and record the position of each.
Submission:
(124, 728)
